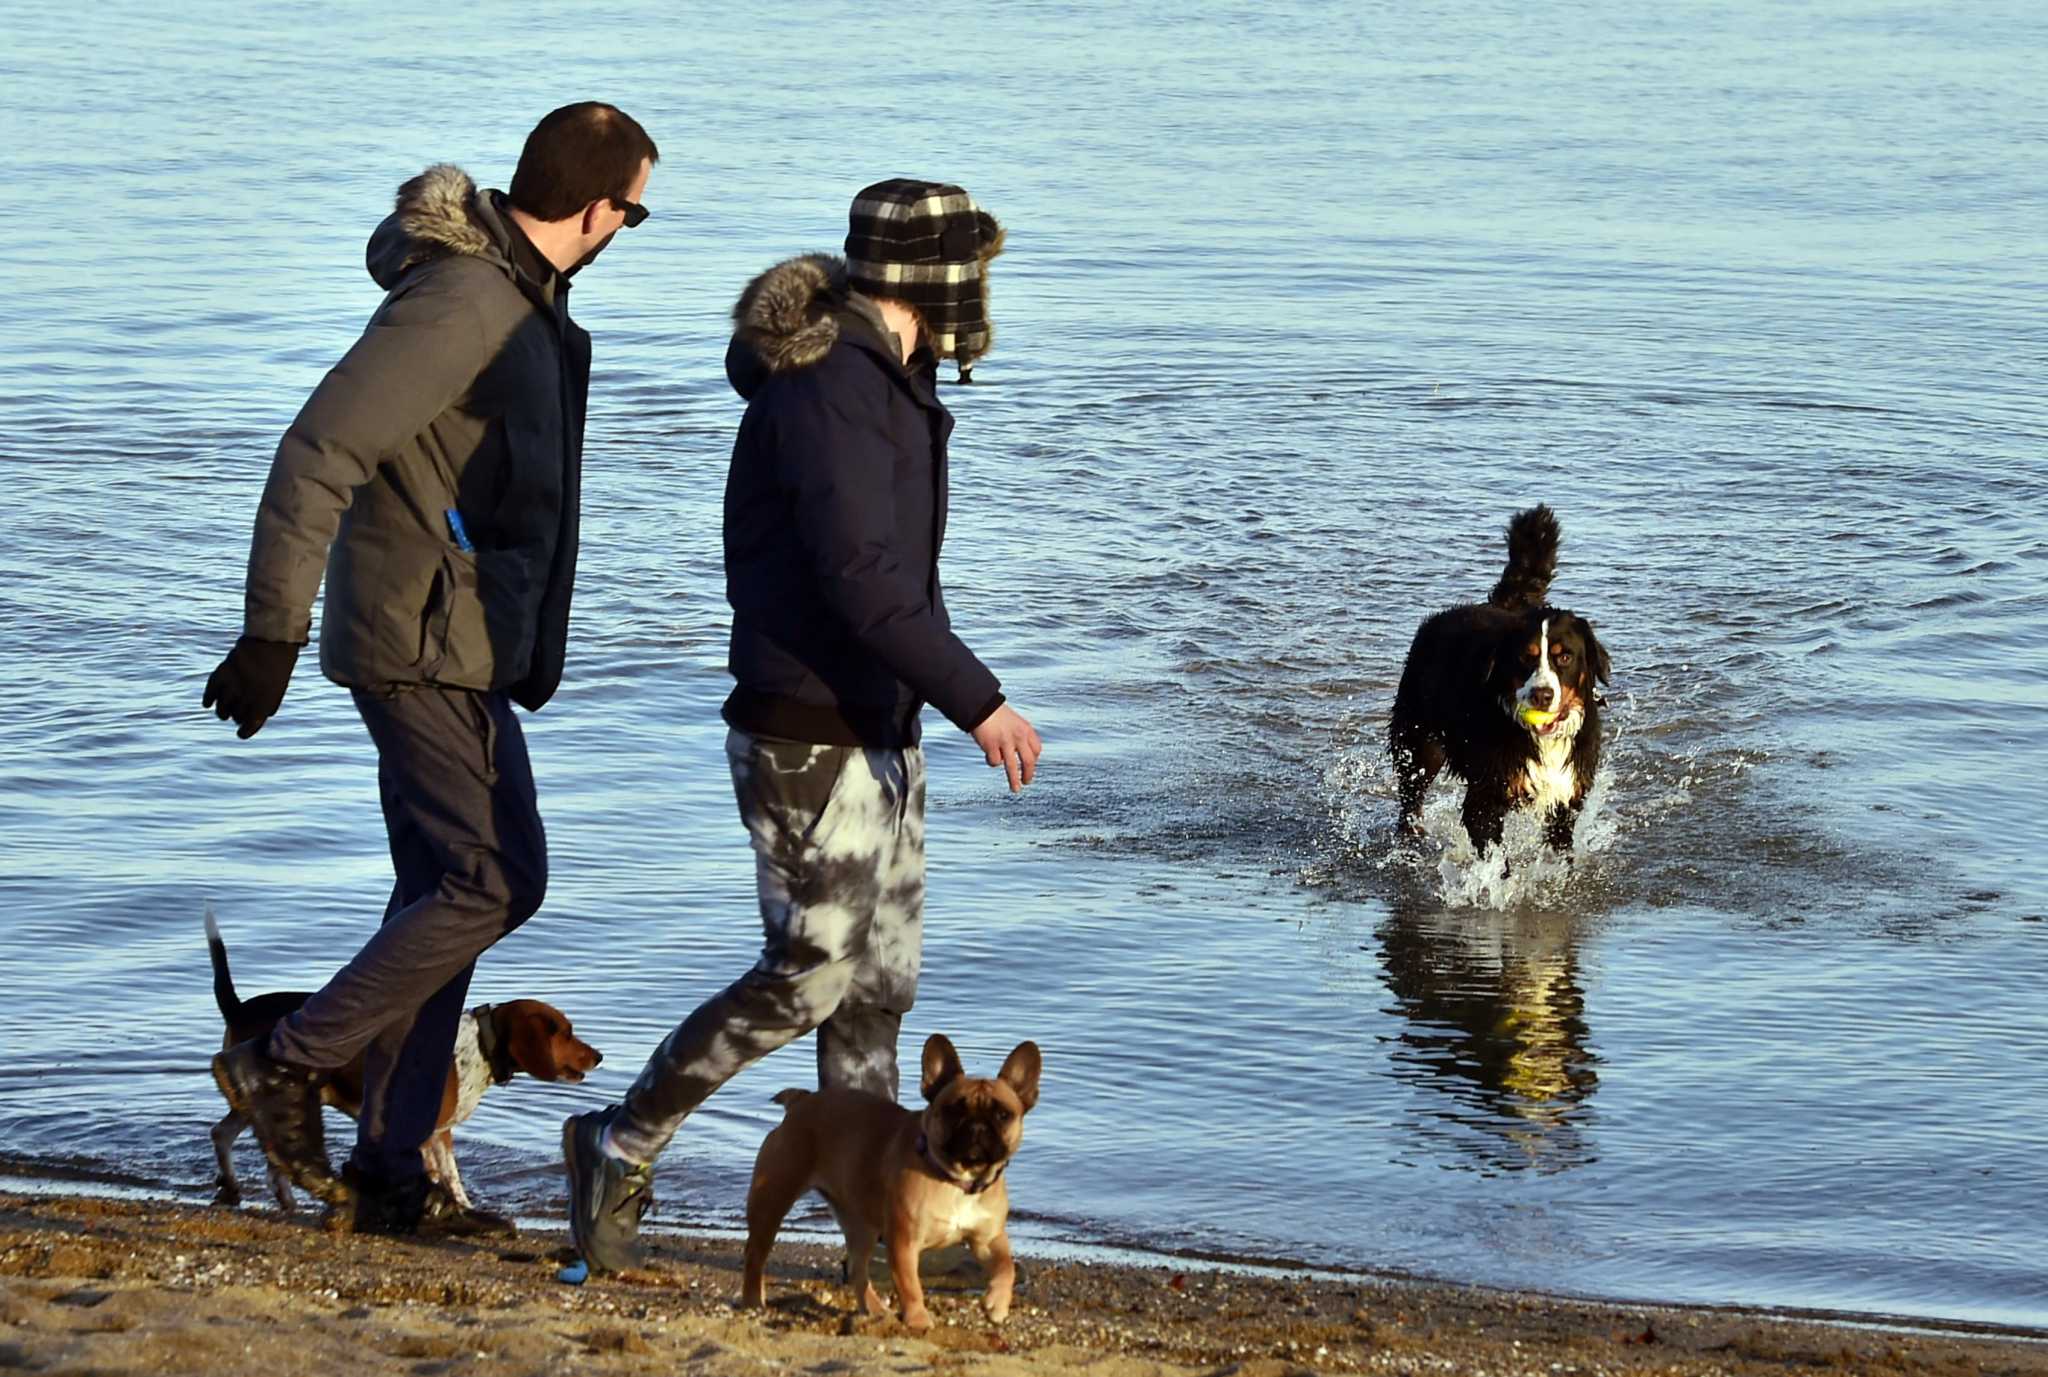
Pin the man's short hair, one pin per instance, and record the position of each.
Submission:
(580, 153)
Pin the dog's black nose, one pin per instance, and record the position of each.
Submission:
(980, 1145)
(1542, 695)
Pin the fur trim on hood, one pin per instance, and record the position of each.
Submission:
(434, 215)
(788, 315)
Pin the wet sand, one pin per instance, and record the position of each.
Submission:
(90, 1285)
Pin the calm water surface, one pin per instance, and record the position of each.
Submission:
(1299, 306)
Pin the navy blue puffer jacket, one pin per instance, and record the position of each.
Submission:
(835, 510)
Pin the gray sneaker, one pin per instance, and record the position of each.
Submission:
(607, 1197)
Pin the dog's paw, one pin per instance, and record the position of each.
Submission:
(281, 1191)
(997, 1308)
(917, 1318)
(871, 1303)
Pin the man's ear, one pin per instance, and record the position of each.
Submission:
(941, 1064)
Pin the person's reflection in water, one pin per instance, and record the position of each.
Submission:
(1496, 1023)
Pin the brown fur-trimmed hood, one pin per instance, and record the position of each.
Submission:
(792, 315)
(436, 213)
(789, 315)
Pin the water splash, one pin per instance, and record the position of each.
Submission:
(1363, 799)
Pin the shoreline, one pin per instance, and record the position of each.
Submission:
(35, 1178)
(96, 1283)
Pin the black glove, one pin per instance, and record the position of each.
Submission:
(250, 683)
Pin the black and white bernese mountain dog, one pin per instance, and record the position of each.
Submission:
(1502, 694)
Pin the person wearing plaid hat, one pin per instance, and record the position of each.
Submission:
(835, 509)
(927, 246)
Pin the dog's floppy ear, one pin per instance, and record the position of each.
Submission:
(1020, 1073)
(1482, 660)
(941, 1064)
(1597, 650)
(526, 1040)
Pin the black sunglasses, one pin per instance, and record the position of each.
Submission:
(635, 212)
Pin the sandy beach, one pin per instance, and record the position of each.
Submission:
(90, 1285)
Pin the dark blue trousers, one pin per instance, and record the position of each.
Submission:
(470, 856)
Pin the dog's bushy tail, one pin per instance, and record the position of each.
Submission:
(223, 983)
(1532, 560)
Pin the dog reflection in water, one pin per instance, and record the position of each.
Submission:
(1496, 1020)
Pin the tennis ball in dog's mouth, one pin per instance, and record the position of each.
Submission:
(1535, 717)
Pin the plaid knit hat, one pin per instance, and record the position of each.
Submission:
(928, 244)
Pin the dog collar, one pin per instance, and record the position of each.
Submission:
(968, 1184)
(496, 1054)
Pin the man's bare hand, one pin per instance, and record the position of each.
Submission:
(1008, 742)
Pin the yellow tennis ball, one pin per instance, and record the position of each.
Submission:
(1535, 717)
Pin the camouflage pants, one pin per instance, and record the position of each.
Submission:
(838, 836)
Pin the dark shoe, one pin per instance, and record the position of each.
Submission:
(607, 1197)
(442, 1216)
(282, 1104)
(411, 1207)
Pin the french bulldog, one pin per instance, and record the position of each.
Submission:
(913, 1179)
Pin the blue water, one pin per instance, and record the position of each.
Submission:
(1299, 305)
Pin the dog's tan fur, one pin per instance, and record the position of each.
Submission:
(530, 1035)
(915, 1180)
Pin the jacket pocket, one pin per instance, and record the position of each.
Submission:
(480, 619)
(372, 625)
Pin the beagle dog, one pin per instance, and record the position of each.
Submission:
(493, 1043)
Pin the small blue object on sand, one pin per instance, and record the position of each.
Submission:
(575, 1274)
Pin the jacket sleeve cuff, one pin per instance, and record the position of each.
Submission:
(269, 624)
(987, 711)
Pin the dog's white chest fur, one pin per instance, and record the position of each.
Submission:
(472, 1068)
(1551, 780)
(971, 1216)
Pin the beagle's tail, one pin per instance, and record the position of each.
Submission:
(1532, 560)
(223, 983)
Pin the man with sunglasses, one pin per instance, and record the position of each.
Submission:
(433, 478)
